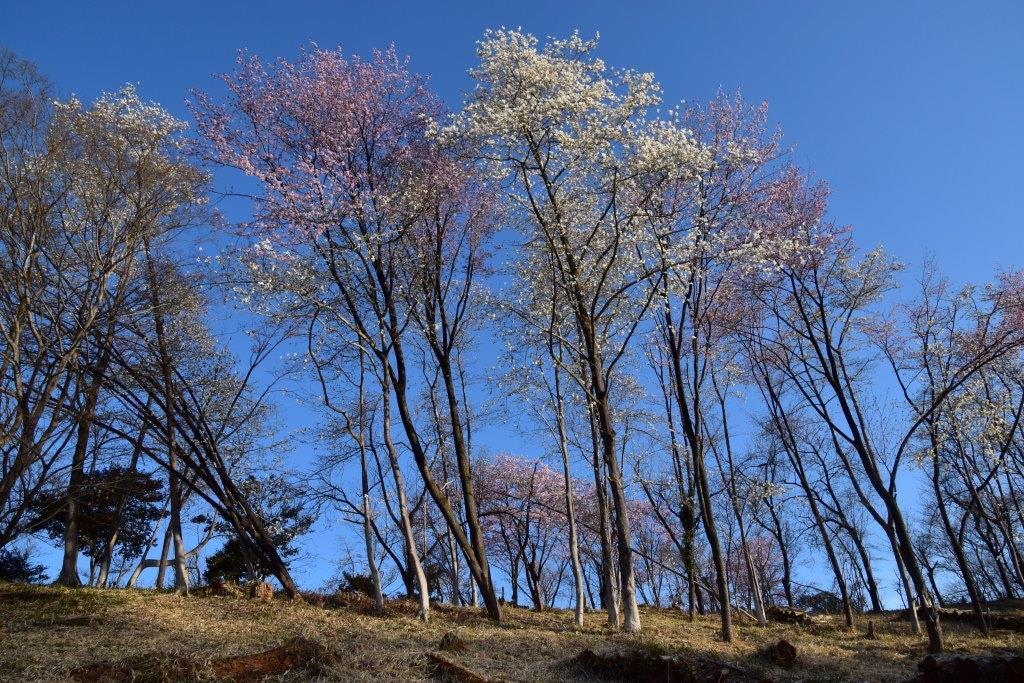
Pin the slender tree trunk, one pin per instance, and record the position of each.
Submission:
(533, 583)
(574, 549)
(692, 430)
(787, 568)
(166, 369)
(164, 553)
(150, 542)
(958, 552)
(371, 558)
(604, 528)
(755, 584)
(403, 504)
(901, 569)
(685, 491)
(514, 576)
(869, 574)
(180, 573)
(480, 573)
(935, 588)
(111, 542)
(623, 533)
(470, 509)
(378, 595)
(453, 569)
(935, 641)
(69, 565)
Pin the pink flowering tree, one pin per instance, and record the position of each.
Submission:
(523, 507)
(366, 231)
(710, 240)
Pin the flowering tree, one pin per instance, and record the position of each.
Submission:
(523, 504)
(708, 240)
(824, 323)
(580, 160)
(366, 230)
(85, 189)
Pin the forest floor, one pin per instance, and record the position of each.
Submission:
(49, 633)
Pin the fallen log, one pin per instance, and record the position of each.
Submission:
(788, 615)
(297, 653)
(293, 655)
(964, 669)
(1010, 622)
(640, 665)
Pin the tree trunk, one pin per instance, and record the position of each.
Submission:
(108, 547)
(869, 574)
(623, 533)
(692, 430)
(371, 558)
(180, 573)
(755, 584)
(958, 552)
(482, 577)
(164, 553)
(607, 583)
(470, 509)
(378, 595)
(787, 569)
(403, 504)
(69, 566)
(574, 549)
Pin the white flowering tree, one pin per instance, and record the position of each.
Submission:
(134, 185)
(84, 189)
(580, 159)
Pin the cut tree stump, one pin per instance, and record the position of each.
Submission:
(450, 642)
(871, 630)
(782, 653)
(263, 591)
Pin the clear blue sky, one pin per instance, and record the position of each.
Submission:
(911, 110)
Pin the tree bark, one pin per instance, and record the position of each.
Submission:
(574, 549)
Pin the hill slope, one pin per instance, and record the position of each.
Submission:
(50, 633)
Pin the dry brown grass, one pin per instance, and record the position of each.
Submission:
(41, 638)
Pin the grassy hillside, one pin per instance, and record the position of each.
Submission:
(50, 633)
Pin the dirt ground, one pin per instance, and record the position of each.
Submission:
(49, 634)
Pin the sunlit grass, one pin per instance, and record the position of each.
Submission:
(41, 640)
